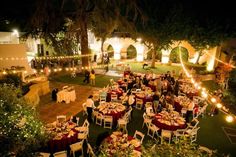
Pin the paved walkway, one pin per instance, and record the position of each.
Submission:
(48, 109)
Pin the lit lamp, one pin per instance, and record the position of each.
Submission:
(229, 118)
(117, 48)
(213, 100)
(218, 105)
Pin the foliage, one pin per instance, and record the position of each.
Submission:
(174, 54)
(22, 133)
(131, 52)
(181, 148)
(12, 79)
(195, 67)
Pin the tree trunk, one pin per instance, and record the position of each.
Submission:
(198, 57)
(84, 40)
(102, 50)
(153, 57)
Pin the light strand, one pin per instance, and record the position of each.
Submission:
(230, 117)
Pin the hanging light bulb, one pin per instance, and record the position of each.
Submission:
(218, 105)
(229, 118)
(213, 100)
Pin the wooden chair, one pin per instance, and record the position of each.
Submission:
(60, 154)
(41, 154)
(152, 130)
(146, 120)
(139, 103)
(114, 98)
(122, 125)
(61, 118)
(84, 109)
(108, 121)
(76, 147)
(99, 119)
(165, 134)
(77, 121)
(139, 136)
(90, 151)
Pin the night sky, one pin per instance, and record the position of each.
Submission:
(16, 13)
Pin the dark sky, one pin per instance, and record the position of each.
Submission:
(18, 12)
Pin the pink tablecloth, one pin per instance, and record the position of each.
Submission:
(165, 126)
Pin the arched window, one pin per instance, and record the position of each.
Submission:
(110, 51)
(174, 54)
(131, 52)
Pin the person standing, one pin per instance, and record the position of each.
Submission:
(86, 76)
(190, 110)
(90, 106)
(92, 77)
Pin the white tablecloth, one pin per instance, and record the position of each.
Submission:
(65, 95)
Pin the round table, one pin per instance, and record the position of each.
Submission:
(168, 121)
(64, 141)
(118, 143)
(114, 109)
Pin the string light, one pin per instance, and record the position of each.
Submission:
(229, 118)
(204, 94)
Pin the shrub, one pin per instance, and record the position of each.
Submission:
(22, 133)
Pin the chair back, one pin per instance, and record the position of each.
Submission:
(86, 123)
(61, 118)
(139, 135)
(60, 154)
(90, 151)
(41, 154)
(77, 121)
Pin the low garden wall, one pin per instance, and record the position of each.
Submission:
(37, 90)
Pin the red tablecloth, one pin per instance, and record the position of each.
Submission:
(165, 126)
(179, 107)
(116, 116)
(145, 99)
(63, 143)
(117, 92)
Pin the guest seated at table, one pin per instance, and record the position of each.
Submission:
(90, 106)
(145, 80)
(54, 94)
(156, 105)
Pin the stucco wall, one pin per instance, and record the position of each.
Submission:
(13, 55)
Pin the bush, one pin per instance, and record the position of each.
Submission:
(12, 79)
(22, 133)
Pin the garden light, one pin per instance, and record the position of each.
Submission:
(229, 118)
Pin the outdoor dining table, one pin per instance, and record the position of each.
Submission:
(121, 143)
(64, 141)
(116, 114)
(118, 92)
(162, 124)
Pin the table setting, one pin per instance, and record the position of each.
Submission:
(169, 120)
(121, 144)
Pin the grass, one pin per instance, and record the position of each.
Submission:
(101, 80)
(210, 135)
(159, 69)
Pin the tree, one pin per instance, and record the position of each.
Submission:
(22, 133)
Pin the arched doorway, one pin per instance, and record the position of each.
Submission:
(131, 52)
(174, 54)
(110, 51)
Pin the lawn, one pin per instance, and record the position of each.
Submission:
(211, 133)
